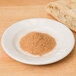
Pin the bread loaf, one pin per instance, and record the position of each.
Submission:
(64, 11)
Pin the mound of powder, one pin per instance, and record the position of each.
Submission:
(37, 43)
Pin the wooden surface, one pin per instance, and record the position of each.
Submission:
(12, 11)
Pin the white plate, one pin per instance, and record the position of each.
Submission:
(63, 36)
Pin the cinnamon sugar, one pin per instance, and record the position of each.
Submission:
(37, 43)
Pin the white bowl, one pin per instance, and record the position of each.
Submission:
(63, 36)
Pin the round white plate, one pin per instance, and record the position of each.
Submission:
(63, 36)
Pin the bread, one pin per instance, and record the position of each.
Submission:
(64, 11)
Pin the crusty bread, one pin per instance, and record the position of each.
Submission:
(64, 11)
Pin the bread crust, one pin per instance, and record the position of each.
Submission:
(63, 12)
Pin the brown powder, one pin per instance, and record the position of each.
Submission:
(37, 43)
